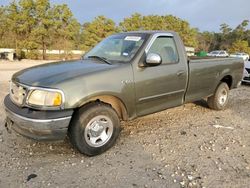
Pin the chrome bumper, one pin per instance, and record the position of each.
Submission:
(38, 129)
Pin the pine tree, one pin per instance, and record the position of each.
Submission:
(95, 31)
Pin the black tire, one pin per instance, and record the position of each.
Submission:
(83, 127)
(216, 101)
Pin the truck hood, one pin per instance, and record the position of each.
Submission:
(50, 74)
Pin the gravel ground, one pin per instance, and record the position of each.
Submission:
(187, 146)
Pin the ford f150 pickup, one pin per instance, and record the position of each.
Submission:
(125, 76)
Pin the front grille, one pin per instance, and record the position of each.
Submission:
(248, 70)
(246, 78)
(18, 93)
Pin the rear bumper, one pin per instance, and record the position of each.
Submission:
(38, 125)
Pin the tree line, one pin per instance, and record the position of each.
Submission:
(231, 39)
(39, 25)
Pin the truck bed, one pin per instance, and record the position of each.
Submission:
(206, 57)
(203, 71)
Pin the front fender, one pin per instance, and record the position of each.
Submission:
(116, 82)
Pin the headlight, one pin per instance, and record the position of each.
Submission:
(245, 73)
(45, 98)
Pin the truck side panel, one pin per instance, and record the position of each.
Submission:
(206, 74)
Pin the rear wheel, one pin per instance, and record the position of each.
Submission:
(219, 100)
(94, 129)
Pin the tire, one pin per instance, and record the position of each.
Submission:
(94, 128)
(219, 100)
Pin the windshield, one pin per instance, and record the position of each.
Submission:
(119, 47)
(215, 52)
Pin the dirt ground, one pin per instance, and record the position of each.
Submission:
(187, 146)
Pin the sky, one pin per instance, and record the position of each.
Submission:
(207, 15)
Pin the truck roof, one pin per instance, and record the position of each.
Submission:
(150, 32)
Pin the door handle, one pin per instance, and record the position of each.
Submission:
(180, 73)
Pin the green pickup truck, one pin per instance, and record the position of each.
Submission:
(125, 76)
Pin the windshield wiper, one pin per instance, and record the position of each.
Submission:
(100, 58)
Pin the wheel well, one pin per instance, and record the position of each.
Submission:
(228, 80)
(114, 102)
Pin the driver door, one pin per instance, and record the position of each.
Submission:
(163, 86)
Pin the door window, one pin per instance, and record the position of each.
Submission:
(166, 48)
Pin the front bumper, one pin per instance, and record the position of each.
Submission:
(38, 125)
(246, 76)
(246, 79)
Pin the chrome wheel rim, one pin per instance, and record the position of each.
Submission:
(98, 131)
(223, 97)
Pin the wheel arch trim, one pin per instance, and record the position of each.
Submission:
(113, 101)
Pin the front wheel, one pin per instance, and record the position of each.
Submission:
(219, 100)
(94, 128)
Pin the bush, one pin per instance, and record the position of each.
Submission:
(33, 54)
(20, 54)
(240, 46)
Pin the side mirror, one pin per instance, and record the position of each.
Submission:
(153, 59)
